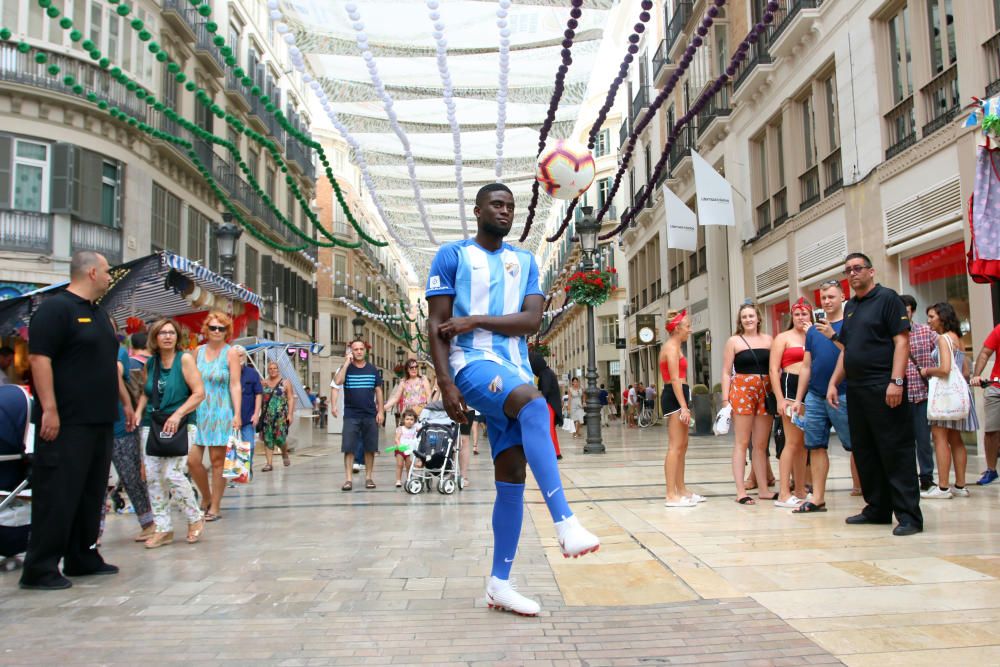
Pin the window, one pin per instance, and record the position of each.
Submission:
(609, 330)
(234, 41)
(96, 23)
(808, 130)
(941, 26)
(110, 193)
(253, 163)
(197, 236)
(601, 146)
(166, 220)
(941, 93)
(901, 60)
(114, 25)
(338, 330)
(604, 189)
(233, 136)
(36, 21)
(649, 164)
(339, 276)
(696, 259)
(31, 176)
(832, 118)
(251, 268)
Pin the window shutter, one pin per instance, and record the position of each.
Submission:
(6, 148)
(88, 183)
(213, 248)
(63, 197)
(266, 277)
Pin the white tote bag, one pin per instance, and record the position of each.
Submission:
(723, 420)
(948, 398)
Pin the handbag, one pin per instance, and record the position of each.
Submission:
(723, 420)
(770, 400)
(948, 398)
(160, 443)
(237, 465)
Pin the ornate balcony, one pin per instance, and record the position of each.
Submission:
(237, 92)
(207, 52)
(99, 238)
(902, 128)
(833, 170)
(941, 98)
(662, 65)
(714, 116)
(809, 188)
(181, 17)
(680, 152)
(639, 104)
(683, 10)
(755, 68)
(792, 22)
(26, 231)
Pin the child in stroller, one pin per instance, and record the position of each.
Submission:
(436, 453)
(15, 510)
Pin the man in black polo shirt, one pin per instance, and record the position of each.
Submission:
(73, 353)
(875, 346)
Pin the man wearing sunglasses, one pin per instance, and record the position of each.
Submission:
(875, 346)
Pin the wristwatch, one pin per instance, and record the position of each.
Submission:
(834, 338)
(898, 381)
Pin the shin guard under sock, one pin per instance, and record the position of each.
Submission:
(538, 449)
(508, 513)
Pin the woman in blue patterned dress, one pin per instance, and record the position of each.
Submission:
(219, 413)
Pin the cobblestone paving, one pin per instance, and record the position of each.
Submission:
(299, 573)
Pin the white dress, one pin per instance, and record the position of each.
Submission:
(576, 405)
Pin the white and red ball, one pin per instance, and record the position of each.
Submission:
(566, 169)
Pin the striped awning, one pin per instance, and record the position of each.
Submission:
(210, 280)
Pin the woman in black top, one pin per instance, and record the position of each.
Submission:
(745, 387)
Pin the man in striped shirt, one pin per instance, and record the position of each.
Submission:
(363, 415)
(484, 300)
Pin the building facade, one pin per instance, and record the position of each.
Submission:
(839, 132)
(74, 177)
(378, 273)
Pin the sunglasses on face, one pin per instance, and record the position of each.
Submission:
(856, 268)
(216, 327)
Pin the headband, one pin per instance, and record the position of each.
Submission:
(672, 324)
(801, 304)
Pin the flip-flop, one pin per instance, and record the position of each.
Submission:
(267, 468)
(369, 484)
(746, 500)
(347, 486)
(808, 507)
(209, 517)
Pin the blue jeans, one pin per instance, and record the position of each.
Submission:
(922, 434)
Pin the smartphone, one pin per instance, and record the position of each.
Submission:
(819, 314)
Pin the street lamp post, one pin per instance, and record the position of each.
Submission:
(400, 355)
(587, 228)
(359, 326)
(226, 236)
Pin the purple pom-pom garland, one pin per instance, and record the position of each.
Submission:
(692, 112)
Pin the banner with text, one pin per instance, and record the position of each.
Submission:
(682, 223)
(714, 194)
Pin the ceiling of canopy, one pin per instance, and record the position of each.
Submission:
(381, 83)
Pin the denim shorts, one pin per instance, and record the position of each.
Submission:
(820, 416)
(248, 433)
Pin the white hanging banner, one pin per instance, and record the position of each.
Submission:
(714, 193)
(682, 223)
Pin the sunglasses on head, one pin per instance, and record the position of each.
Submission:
(216, 327)
(830, 283)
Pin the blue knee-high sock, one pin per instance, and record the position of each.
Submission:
(541, 455)
(508, 513)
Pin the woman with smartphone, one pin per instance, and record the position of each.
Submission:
(787, 353)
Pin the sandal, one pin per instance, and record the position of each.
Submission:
(773, 496)
(398, 484)
(808, 507)
(347, 486)
(194, 534)
(267, 468)
(369, 484)
(475, 452)
(746, 500)
(287, 461)
(212, 517)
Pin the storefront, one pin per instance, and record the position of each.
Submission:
(937, 275)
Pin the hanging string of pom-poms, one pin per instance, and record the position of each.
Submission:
(696, 42)
(567, 59)
(609, 100)
(503, 79)
(741, 53)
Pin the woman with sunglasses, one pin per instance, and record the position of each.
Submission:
(412, 393)
(219, 414)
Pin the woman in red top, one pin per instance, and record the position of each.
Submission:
(787, 353)
(674, 401)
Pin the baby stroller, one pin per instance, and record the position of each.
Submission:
(15, 508)
(437, 450)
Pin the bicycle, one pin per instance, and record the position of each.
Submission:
(647, 415)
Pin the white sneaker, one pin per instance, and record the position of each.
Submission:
(959, 493)
(935, 493)
(791, 503)
(501, 594)
(574, 539)
(357, 468)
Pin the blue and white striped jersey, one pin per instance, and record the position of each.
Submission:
(485, 283)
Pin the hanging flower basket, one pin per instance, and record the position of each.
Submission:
(540, 348)
(399, 370)
(590, 288)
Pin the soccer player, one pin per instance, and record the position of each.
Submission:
(483, 301)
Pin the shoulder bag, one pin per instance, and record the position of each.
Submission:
(159, 443)
(948, 398)
(770, 400)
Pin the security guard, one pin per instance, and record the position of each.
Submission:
(875, 347)
(73, 355)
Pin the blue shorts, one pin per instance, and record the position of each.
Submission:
(820, 416)
(485, 385)
(248, 433)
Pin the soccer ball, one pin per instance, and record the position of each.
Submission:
(566, 170)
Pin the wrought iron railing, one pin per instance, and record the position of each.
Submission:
(185, 10)
(661, 58)
(682, 14)
(681, 148)
(98, 238)
(623, 133)
(779, 205)
(26, 231)
(717, 106)
(203, 43)
(22, 68)
(941, 98)
(902, 128)
(763, 218)
(639, 102)
(833, 170)
(758, 54)
(809, 187)
(786, 14)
